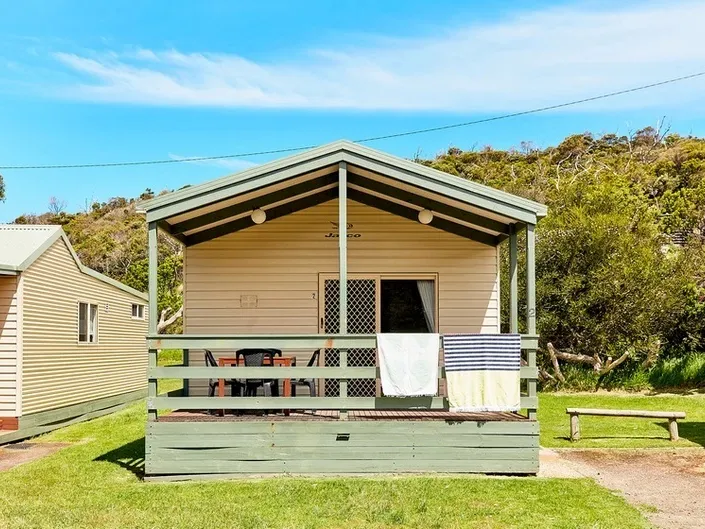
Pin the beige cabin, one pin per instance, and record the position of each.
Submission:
(72, 341)
(311, 259)
(281, 277)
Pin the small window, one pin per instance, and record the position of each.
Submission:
(137, 311)
(87, 323)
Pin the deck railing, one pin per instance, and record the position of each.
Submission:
(295, 342)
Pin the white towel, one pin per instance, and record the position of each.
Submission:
(408, 364)
(483, 371)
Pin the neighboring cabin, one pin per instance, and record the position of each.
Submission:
(72, 341)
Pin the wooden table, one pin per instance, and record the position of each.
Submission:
(285, 361)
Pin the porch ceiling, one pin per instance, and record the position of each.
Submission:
(214, 209)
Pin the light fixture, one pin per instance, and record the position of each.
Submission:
(425, 216)
(258, 216)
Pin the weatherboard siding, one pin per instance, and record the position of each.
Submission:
(9, 361)
(279, 262)
(57, 370)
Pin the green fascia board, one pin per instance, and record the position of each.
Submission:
(245, 183)
(472, 193)
(539, 210)
(253, 203)
(427, 203)
(235, 178)
(411, 214)
(450, 187)
(272, 214)
(98, 275)
(43, 248)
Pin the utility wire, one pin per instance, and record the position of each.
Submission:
(363, 140)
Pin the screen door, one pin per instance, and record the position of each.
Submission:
(362, 319)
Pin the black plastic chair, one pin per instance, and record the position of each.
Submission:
(236, 387)
(255, 358)
(310, 382)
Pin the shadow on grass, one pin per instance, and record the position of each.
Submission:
(129, 456)
(692, 431)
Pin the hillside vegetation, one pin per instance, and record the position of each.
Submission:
(111, 237)
(620, 257)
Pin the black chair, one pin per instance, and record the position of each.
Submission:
(236, 387)
(255, 358)
(310, 382)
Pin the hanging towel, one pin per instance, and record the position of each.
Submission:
(482, 371)
(408, 364)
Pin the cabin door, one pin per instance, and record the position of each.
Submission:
(363, 318)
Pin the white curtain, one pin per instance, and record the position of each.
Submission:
(428, 295)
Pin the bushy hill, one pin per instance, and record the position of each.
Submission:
(620, 257)
(111, 237)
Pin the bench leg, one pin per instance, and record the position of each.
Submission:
(574, 427)
(673, 429)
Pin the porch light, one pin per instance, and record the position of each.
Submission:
(258, 216)
(425, 216)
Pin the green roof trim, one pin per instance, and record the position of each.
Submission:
(450, 186)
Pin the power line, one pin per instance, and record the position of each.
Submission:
(363, 140)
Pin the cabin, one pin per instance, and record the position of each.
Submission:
(72, 341)
(314, 257)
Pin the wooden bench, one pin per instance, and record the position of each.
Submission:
(672, 417)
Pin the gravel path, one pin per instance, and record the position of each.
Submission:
(668, 486)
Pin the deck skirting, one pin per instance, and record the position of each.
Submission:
(192, 450)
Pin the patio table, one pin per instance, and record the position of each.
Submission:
(285, 361)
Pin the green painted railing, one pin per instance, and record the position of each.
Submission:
(294, 342)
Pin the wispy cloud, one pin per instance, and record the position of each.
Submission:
(232, 164)
(530, 58)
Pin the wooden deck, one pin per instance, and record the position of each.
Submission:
(334, 415)
(254, 437)
(196, 445)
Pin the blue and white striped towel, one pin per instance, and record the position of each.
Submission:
(482, 371)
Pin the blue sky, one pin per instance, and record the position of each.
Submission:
(84, 81)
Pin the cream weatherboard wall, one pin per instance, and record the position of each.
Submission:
(281, 260)
(59, 371)
(9, 346)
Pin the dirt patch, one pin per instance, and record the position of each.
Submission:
(667, 485)
(15, 454)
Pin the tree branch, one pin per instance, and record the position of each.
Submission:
(610, 365)
(164, 322)
(572, 357)
(554, 361)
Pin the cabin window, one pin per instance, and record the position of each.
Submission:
(87, 323)
(137, 311)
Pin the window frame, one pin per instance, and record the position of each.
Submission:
(89, 306)
(139, 306)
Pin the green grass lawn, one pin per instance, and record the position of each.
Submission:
(621, 432)
(95, 483)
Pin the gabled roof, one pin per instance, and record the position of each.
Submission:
(512, 206)
(198, 214)
(22, 244)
